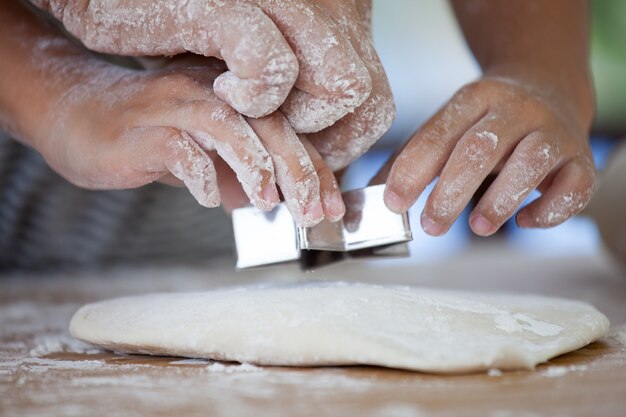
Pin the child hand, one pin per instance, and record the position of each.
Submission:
(120, 128)
(529, 135)
(294, 186)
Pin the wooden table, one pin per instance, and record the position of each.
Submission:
(44, 372)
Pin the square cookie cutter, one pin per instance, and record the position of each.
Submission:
(368, 229)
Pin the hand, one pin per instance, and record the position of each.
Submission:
(104, 127)
(254, 38)
(354, 134)
(529, 135)
(323, 46)
(121, 128)
(297, 184)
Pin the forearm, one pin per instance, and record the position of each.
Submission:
(40, 65)
(542, 43)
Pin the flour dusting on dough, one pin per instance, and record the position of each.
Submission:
(343, 324)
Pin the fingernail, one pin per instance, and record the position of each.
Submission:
(523, 220)
(431, 227)
(394, 202)
(314, 211)
(335, 206)
(482, 226)
(269, 193)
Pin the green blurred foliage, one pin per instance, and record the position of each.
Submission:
(608, 63)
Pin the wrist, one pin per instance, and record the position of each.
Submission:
(31, 78)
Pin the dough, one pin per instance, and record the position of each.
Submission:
(344, 324)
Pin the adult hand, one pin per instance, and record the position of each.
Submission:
(354, 134)
(322, 46)
(252, 37)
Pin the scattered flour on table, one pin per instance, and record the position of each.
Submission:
(43, 365)
(559, 371)
(619, 336)
(399, 410)
(48, 344)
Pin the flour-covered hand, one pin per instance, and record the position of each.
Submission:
(529, 138)
(354, 134)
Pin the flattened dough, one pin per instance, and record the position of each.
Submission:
(342, 324)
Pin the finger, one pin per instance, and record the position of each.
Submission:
(332, 201)
(528, 166)
(216, 126)
(567, 194)
(354, 134)
(263, 68)
(190, 164)
(233, 195)
(475, 156)
(333, 80)
(295, 173)
(171, 180)
(147, 154)
(427, 151)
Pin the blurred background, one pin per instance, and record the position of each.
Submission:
(427, 60)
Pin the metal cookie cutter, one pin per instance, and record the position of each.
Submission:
(369, 228)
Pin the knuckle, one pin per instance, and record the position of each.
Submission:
(217, 113)
(362, 83)
(474, 86)
(472, 94)
(220, 111)
(354, 86)
(538, 155)
(478, 147)
(175, 140)
(352, 92)
(375, 117)
(281, 68)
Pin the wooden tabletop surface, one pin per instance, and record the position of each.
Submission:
(44, 372)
